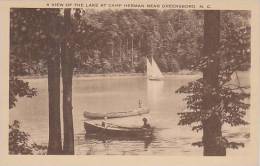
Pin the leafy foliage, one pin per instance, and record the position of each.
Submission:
(234, 54)
(19, 142)
(19, 88)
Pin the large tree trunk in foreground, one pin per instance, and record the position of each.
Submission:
(55, 144)
(211, 126)
(67, 71)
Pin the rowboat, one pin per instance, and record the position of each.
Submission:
(113, 130)
(135, 112)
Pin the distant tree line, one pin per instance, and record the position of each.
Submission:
(114, 41)
(120, 40)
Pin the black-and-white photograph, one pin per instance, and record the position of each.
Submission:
(129, 82)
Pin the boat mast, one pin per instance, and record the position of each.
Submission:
(152, 52)
(132, 50)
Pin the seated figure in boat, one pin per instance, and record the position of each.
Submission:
(140, 103)
(104, 122)
(146, 125)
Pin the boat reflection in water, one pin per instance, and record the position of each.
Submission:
(108, 139)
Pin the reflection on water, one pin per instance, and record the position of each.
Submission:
(123, 94)
(108, 141)
(154, 92)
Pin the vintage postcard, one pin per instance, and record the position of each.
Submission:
(129, 83)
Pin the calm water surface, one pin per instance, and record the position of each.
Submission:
(122, 94)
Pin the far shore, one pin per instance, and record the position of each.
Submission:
(85, 75)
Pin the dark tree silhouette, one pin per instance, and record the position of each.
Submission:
(212, 125)
(55, 143)
(67, 72)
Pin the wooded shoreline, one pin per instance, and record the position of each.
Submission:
(184, 72)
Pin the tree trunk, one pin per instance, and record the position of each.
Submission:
(55, 144)
(132, 51)
(67, 71)
(112, 50)
(120, 50)
(211, 126)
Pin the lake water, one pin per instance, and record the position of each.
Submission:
(112, 94)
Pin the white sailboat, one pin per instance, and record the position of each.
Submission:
(153, 71)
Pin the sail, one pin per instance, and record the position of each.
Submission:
(156, 73)
(153, 71)
(148, 68)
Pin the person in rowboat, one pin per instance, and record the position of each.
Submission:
(104, 122)
(140, 103)
(146, 125)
